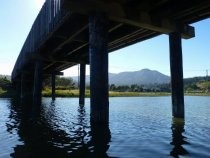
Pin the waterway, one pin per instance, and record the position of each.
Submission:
(139, 127)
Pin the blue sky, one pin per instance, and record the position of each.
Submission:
(17, 17)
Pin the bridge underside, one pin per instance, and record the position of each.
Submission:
(128, 22)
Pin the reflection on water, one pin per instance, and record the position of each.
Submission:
(100, 139)
(41, 137)
(140, 127)
(178, 140)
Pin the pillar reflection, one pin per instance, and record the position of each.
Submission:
(178, 140)
(100, 138)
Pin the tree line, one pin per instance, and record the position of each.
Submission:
(141, 88)
(4, 83)
(195, 84)
(61, 83)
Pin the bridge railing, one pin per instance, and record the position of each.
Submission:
(48, 18)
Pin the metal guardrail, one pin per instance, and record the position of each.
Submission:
(47, 20)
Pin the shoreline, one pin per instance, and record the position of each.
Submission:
(75, 94)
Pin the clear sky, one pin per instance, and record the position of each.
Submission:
(17, 17)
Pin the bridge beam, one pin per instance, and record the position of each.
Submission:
(82, 85)
(131, 15)
(98, 52)
(37, 83)
(176, 75)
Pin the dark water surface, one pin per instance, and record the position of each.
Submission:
(139, 127)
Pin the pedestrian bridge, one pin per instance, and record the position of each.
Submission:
(70, 32)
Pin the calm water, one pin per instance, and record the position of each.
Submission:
(139, 127)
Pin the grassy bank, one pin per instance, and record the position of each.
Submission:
(6, 94)
(137, 94)
(75, 93)
(64, 93)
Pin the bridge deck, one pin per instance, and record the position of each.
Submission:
(60, 34)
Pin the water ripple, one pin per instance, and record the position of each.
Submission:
(139, 127)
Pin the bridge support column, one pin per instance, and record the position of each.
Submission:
(53, 85)
(26, 87)
(98, 38)
(176, 75)
(17, 85)
(37, 83)
(82, 84)
(22, 86)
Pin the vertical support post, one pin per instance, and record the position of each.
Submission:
(37, 83)
(53, 85)
(82, 84)
(22, 86)
(17, 85)
(26, 87)
(176, 75)
(98, 39)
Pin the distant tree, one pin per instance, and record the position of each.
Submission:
(164, 87)
(136, 88)
(204, 86)
(87, 86)
(5, 83)
(133, 87)
(112, 87)
(123, 88)
(191, 87)
(60, 82)
(4, 80)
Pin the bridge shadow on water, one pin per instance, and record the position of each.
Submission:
(41, 135)
(40, 138)
(178, 140)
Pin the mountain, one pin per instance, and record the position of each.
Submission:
(142, 77)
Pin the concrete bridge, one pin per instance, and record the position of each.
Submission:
(70, 32)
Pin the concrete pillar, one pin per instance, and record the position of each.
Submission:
(176, 75)
(37, 83)
(98, 39)
(17, 85)
(53, 86)
(82, 85)
(22, 86)
(26, 87)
